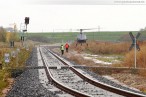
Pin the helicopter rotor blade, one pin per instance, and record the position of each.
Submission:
(89, 29)
(85, 29)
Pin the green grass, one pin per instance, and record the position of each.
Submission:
(71, 36)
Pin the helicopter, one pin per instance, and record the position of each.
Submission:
(82, 38)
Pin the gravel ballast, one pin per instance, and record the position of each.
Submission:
(28, 84)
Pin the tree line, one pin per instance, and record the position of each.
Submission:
(8, 36)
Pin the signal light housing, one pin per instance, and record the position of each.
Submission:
(26, 20)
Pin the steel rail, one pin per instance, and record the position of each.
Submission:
(99, 84)
(59, 85)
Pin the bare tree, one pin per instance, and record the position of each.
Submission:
(14, 35)
(2, 34)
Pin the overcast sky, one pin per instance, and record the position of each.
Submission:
(49, 15)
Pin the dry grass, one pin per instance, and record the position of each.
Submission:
(80, 60)
(103, 47)
(137, 81)
(114, 48)
(94, 47)
(141, 58)
(4, 48)
(142, 73)
(19, 60)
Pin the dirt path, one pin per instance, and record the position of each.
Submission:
(7, 89)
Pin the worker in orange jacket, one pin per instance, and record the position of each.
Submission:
(66, 47)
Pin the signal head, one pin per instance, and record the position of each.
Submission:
(26, 20)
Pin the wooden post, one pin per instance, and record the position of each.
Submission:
(0, 65)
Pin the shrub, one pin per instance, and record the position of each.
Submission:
(2, 34)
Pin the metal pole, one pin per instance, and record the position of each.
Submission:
(93, 35)
(22, 35)
(16, 57)
(98, 28)
(135, 52)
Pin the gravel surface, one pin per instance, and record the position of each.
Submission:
(105, 80)
(28, 84)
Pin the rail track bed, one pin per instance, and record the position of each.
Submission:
(50, 75)
(83, 84)
(71, 80)
(44, 80)
(33, 82)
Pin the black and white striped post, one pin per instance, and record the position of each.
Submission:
(134, 44)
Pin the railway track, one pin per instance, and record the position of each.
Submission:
(77, 83)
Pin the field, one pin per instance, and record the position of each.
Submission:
(71, 36)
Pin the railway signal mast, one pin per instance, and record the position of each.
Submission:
(24, 29)
(26, 22)
(134, 44)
